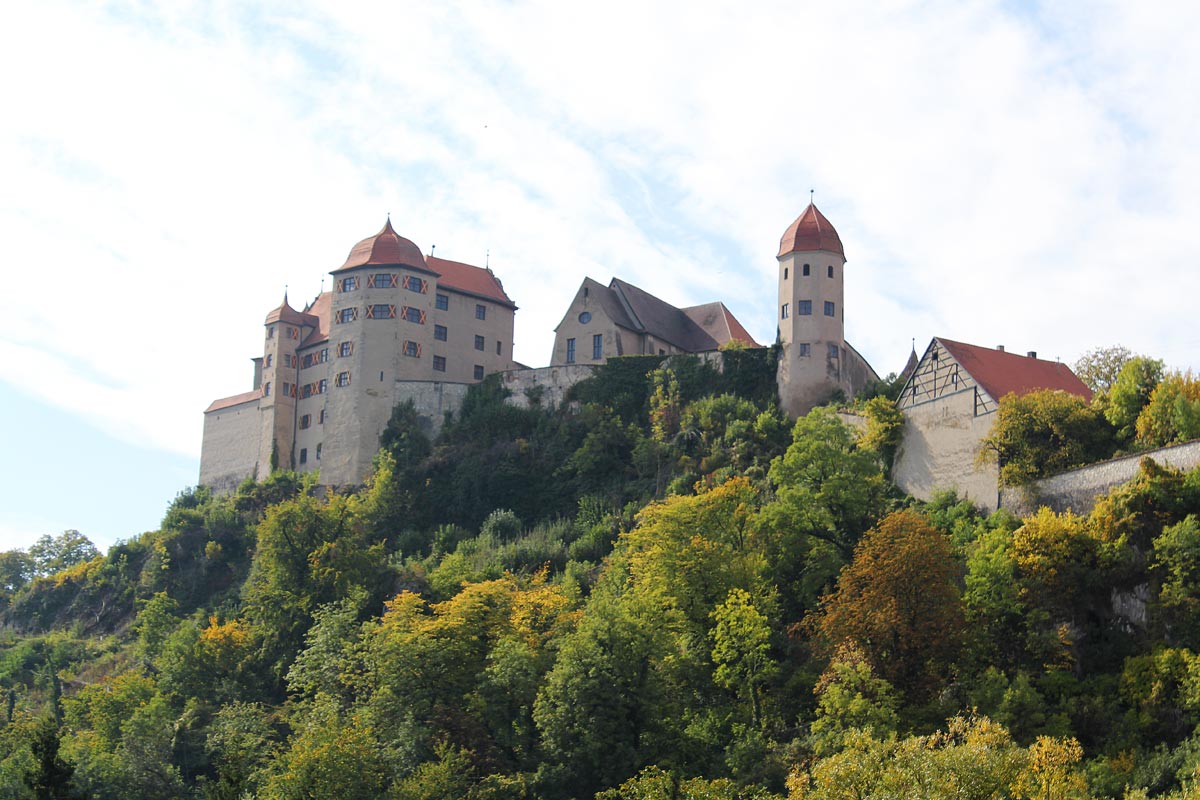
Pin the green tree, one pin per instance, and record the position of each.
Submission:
(885, 428)
(1130, 393)
(742, 649)
(51, 554)
(1173, 412)
(240, 743)
(1175, 562)
(851, 697)
(330, 756)
(1045, 432)
(1100, 366)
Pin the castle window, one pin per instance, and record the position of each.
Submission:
(833, 350)
(804, 308)
(345, 349)
(478, 372)
(306, 390)
(303, 455)
(831, 270)
(321, 416)
(383, 280)
(478, 342)
(343, 379)
(270, 359)
(324, 355)
(597, 345)
(829, 312)
(570, 351)
(293, 333)
(415, 284)
(785, 310)
(785, 273)
(480, 311)
(585, 317)
(347, 315)
(806, 269)
(805, 350)
(439, 363)
(381, 311)
(287, 389)
(412, 349)
(439, 332)
(267, 389)
(305, 420)
(413, 314)
(322, 386)
(318, 451)
(271, 332)
(442, 302)
(349, 284)
(499, 347)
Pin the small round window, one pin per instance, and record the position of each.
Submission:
(585, 317)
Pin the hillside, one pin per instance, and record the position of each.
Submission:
(663, 590)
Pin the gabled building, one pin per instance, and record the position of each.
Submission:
(622, 320)
(326, 383)
(949, 404)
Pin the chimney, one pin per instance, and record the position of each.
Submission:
(1032, 354)
(1000, 347)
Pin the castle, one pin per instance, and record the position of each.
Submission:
(403, 326)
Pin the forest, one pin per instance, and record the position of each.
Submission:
(662, 589)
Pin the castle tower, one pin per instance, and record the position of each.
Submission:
(285, 328)
(380, 331)
(814, 363)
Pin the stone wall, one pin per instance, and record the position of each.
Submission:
(548, 385)
(229, 448)
(432, 400)
(1078, 489)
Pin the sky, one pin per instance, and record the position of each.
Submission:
(1000, 173)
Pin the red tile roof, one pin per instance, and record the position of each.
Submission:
(1001, 373)
(471, 280)
(719, 323)
(236, 400)
(285, 313)
(385, 247)
(810, 231)
(319, 309)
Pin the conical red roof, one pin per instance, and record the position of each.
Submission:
(385, 247)
(810, 231)
(285, 313)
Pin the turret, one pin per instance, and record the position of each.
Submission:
(810, 314)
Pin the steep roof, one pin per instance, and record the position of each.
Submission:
(385, 247)
(810, 231)
(320, 310)
(285, 313)
(663, 320)
(1001, 373)
(235, 400)
(471, 280)
(719, 323)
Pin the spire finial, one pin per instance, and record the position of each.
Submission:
(285, 287)
(811, 192)
(432, 247)
(487, 258)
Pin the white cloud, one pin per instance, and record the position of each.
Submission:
(995, 177)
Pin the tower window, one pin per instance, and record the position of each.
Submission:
(478, 372)
(349, 284)
(270, 359)
(597, 346)
(829, 311)
(570, 351)
(415, 284)
(321, 417)
(833, 350)
(805, 350)
(381, 311)
(382, 280)
(345, 349)
(480, 312)
(806, 270)
(303, 455)
(439, 363)
(412, 349)
(478, 342)
(439, 332)
(271, 332)
(347, 315)
(318, 451)
(267, 389)
(442, 302)
(413, 314)
(305, 421)
(785, 310)
(343, 379)
(804, 308)
(785, 273)
(498, 347)
(831, 270)
(322, 386)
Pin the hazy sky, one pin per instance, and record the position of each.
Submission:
(1000, 173)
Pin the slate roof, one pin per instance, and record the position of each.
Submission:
(1001, 373)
